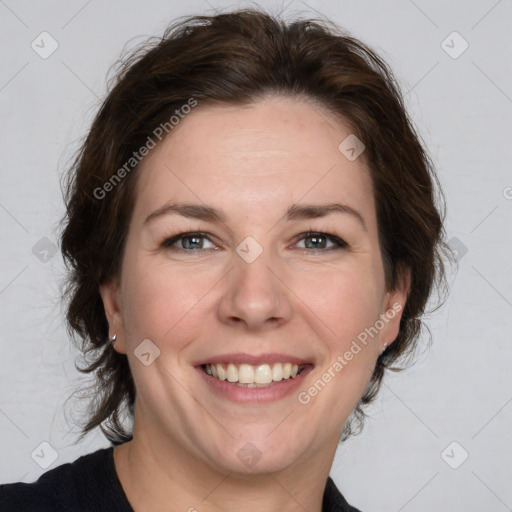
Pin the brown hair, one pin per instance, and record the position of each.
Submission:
(235, 58)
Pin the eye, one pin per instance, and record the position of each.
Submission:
(314, 240)
(188, 242)
(193, 241)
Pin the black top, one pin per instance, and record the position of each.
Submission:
(91, 484)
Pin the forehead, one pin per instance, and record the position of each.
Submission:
(263, 156)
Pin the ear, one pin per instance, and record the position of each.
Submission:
(393, 307)
(110, 295)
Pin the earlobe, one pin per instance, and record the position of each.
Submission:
(109, 292)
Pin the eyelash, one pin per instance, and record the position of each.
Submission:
(341, 244)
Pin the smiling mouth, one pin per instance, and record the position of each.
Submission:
(253, 376)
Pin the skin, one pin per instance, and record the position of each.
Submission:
(251, 162)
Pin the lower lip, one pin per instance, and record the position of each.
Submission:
(242, 395)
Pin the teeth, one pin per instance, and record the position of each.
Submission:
(277, 372)
(263, 374)
(232, 373)
(221, 373)
(253, 376)
(246, 374)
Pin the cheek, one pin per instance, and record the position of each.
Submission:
(160, 300)
(344, 302)
(344, 305)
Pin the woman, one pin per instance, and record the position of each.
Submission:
(252, 237)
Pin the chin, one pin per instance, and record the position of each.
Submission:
(259, 453)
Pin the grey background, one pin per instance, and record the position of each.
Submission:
(460, 390)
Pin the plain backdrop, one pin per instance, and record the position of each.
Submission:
(439, 436)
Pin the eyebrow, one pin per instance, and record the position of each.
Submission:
(294, 212)
(313, 211)
(190, 210)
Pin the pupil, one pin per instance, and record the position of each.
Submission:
(315, 241)
(195, 239)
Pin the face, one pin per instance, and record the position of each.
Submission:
(252, 256)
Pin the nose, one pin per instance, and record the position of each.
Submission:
(256, 297)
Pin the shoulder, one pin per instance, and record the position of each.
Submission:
(334, 501)
(88, 483)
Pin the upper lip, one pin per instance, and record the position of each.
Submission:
(253, 359)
